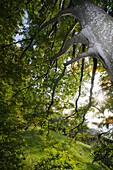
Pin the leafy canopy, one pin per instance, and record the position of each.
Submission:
(33, 92)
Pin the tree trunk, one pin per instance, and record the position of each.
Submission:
(96, 32)
(97, 27)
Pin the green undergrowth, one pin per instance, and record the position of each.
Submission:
(56, 151)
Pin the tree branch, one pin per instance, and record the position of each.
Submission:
(92, 79)
(4, 46)
(88, 53)
(101, 111)
(104, 133)
(61, 3)
(82, 69)
(69, 31)
(79, 38)
(78, 127)
(64, 12)
(54, 27)
(56, 82)
(29, 45)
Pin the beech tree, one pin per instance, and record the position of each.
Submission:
(40, 40)
(96, 32)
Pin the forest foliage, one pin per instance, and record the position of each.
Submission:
(33, 92)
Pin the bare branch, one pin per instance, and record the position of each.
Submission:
(92, 79)
(74, 46)
(69, 31)
(29, 45)
(81, 123)
(56, 82)
(54, 28)
(89, 53)
(82, 69)
(64, 12)
(79, 126)
(79, 38)
(61, 3)
(100, 110)
(104, 133)
(4, 46)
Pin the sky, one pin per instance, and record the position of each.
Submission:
(100, 97)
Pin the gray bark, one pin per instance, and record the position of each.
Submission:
(96, 32)
(97, 27)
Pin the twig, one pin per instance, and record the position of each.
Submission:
(4, 46)
(29, 45)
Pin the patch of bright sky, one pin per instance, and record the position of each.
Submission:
(100, 97)
(18, 36)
